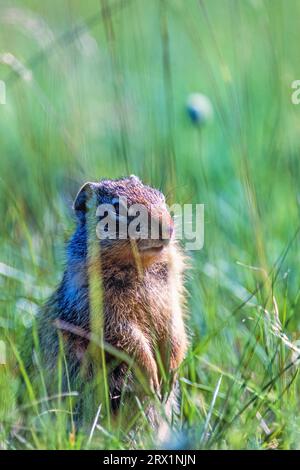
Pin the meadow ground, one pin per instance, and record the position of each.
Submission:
(98, 89)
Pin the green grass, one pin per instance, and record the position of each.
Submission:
(109, 100)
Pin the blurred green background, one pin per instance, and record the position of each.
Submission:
(98, 89)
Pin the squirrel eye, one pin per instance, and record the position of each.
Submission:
(115, 202)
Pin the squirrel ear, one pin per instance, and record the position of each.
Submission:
(85, 193)
(134, 178)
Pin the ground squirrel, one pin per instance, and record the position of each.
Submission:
(142, 291)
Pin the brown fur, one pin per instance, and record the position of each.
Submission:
(143, 300)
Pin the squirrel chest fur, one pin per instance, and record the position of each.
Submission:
(141, 283)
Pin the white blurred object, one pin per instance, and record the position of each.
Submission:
(199, 108)
(87, 44)
(29, 23)
(9, 59)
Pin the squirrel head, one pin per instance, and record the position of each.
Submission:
(130, 218)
